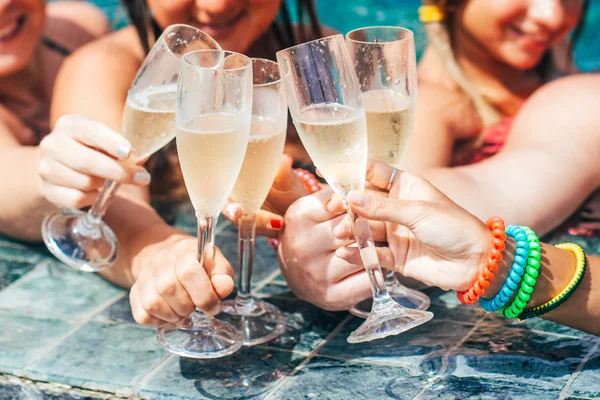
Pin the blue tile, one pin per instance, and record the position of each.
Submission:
(587, 383)
(16, 259)
(327, 379)
(265, 258)
(248, 374)
(412, 350)
(458, 388)
(15, 388)
(119, 312)
(519, 356)
(24, 338)
(56, 290)
(275, 290)
(306, 325)
(99, 356)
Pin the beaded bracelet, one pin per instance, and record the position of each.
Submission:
(516, 273)
(487, 273)
(529, 278)
(567, 291)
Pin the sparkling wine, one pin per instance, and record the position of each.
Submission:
(211, 150)
(389, 125)
(149, 120)
(335, 137)
(260, 164)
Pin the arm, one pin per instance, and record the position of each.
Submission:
(548, 167)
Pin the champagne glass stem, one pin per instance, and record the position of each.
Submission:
(390, 278)
(364, 238)
(206, 258)
(89, 226)
(244, 302)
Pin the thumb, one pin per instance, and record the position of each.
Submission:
(403, 212)
(286, 188)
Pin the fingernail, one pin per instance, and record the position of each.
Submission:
(276, 223)
(327, 205)
(215, 310)
(232, 209)
(290, 157)
(338, 252)
(142, 178)
(123, 150)
(357, 198)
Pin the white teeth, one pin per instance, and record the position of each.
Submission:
(9, 30)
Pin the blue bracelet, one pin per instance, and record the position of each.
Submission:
(516, 273)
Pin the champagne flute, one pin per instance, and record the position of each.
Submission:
(385, 62)
(326, 106)
(214, 111)
(82, 240)
(258, 320)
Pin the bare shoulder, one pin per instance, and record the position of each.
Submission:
(75, 23)
(101, 71)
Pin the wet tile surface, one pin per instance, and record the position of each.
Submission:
(61, 327)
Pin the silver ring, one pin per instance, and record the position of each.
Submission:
(392, 177)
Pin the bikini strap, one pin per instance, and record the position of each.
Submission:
(52, 45)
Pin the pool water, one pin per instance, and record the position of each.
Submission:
(350, 14)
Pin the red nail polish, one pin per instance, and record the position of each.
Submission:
(276, 223)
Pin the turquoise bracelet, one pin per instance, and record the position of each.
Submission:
(529, 279)
(516, 273)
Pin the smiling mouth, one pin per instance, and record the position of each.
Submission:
(220, 28)
(12, 30)
(537, 39)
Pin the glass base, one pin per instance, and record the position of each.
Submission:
(387, 320)
(259, 323)
(408, 298)
(78, 243)
(200, 336)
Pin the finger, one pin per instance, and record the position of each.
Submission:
(222, 275)
(312, 207)
(68, 197)
(172, 291)
(153, 303)
(232, 211)
(353, 289)
(268, 223)
(378, 173)
(286, 187)
(88, 161)
(59, 174)
(137, 311)
(351, 254)
(95, 134)
(344, 231)
(403, 212)
(197, 283)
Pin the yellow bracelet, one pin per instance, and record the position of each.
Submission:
(431, 14)
(567, 291)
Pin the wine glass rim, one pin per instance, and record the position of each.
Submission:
(326, 38)
(390, 27)
(248, 61)
(273, 82)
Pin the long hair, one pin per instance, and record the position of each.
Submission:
(166, 175)
(440, 35)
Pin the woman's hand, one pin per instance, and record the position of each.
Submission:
(431, 238)
(307, 255)
(171, 283)
(286, 189)
(78, 156)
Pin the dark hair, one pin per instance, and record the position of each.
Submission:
(166, 175)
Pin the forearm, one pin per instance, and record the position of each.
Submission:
(557, 268)
(22, 207)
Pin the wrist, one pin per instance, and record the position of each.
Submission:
(503, 270)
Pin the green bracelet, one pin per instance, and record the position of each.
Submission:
(529, 279)
(568, 290)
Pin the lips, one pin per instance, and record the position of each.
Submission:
(11, 30)
(220, 29)
(533, 39)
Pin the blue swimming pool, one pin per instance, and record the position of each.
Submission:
(349, 14)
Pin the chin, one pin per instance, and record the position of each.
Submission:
(523, 62)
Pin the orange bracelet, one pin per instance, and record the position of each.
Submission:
(496, 224)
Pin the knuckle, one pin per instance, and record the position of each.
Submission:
(187, 272)
(382, 206)
(151, 304)
(166, 287)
